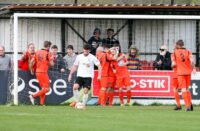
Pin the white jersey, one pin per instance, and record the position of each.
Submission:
(86, 65)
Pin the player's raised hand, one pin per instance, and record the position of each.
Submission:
(24, 55)
(62, 70)
(194, 71)
(173, 63)
(99, 77)
(32, 72)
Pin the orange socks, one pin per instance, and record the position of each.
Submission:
(189, 97)
(99, 98)
(185, 98)
(103, 97)
(121, 97)
(111, 95)
(42, 99)
(42, 94)
(128, 96)
(177, 98)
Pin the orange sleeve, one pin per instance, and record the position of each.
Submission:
(172, 57)
(50, 57)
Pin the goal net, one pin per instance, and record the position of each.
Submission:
(147, 33)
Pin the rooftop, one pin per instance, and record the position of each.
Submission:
(188, 7)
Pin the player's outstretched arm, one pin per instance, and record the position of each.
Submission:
(32, 62)
(74, 68)
(192, 63)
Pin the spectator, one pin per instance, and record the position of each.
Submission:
(133, 59)
(95, 41)
(59, 65)
(110, 40)
(5, 60)
(24, 63)
(70, 57)
(163, 59)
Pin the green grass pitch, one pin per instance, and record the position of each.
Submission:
(96, 118)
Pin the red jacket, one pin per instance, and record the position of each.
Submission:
(23, 64)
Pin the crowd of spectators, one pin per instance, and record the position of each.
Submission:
(64, 64)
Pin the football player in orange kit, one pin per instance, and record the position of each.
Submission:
(101, 56)
(42, 59)
(184, 62)
(122, 76)
(175, 85)
(107, 80)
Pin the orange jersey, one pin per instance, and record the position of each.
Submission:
(104, 63)
(42, 59)
(43, 79)
(121, 69)
(109, 56)
(183, 63)
(175, 67)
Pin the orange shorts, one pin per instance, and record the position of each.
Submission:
(123, 82)
(111, 81)
(184, 81)
(175, 83)
(104, 82)
(43, 79)
(107, 82)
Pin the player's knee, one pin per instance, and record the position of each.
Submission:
(183, 89)
(75, 87)
(128, 88)
(175, 90)
(103, 88)
(46, 89)
(108, 89)
(120, 89)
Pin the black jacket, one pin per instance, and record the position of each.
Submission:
(58, 64)
(110, 41)
(97, 41)
(166, 62)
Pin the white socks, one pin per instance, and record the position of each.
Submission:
(76, 95)
(85, 99)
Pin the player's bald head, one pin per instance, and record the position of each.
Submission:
(100, 49)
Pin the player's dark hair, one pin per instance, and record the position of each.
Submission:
(54, 47)
(86, 47)
(96, 30)
(106, 46)
(70, 47)
(117, 45)
(180, 43)
(47, 44)
(110, 29)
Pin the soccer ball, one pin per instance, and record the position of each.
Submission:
(79, 105)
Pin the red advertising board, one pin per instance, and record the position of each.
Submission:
(145, 84)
